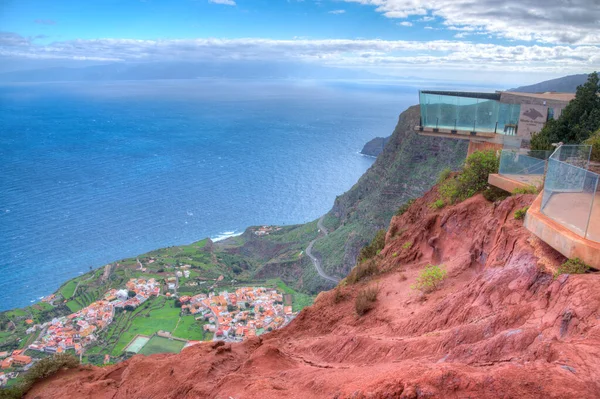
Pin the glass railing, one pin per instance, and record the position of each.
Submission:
(453, 112)
(525, 166)
(571, 193)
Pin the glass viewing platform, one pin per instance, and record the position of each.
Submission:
(524, 166)
(472, 112)
(571, 194)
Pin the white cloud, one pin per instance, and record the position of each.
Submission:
(337, 11)
(224, 2)
(440, 54)
(543, 21)
(405, 23)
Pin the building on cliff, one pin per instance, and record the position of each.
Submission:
(488, 120)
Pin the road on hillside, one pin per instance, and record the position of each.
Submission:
(316, 261)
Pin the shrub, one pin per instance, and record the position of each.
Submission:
(430, 278)
(493, 194)
(594, 141)
(444, 175)
(439, 204)
(362, 270)
(407, 245)
(572, 266)
(405, 207)
(42, 369)
(520, 213)
(526, 190)
(371, 250)
(473, 177)
(365, 300)
(338, 296)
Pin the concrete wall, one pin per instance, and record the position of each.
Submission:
(529, 120)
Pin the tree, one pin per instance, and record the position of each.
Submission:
(131, 294)
(178, 303)
(579, 119)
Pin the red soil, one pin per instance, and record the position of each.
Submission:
(499, 327)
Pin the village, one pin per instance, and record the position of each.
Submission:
(229, 316)
(247, 312)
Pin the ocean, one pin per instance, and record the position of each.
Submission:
(91, 173)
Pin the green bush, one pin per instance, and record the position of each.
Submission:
(572, 266)
(473, 177)
(362, 270)
(407, 245)
(365, 300)
(520, 213)
(372, 249)
(405, 207)
(430, 278)
(526, 190)
(444, 175)
(594, 141)
(40, 370)
(439, 204)
(493, 194)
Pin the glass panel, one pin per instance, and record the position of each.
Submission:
(593, 230)
(468, 114)
(568, 197)
(524, 166)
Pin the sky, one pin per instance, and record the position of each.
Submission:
(523, 41)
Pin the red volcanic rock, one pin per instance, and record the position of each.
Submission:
(499, 327)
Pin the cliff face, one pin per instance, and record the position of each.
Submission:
(408, 166)
(498, 327)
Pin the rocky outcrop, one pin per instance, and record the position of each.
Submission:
(375, 146)
(499, 326)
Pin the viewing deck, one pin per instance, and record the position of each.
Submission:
(566, 214)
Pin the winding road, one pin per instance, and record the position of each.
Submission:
(316, 261)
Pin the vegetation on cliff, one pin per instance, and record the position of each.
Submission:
(577, 122)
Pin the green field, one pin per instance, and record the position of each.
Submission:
(189, 328)
(159, 314)
(68, 289)
(162, 345)
(299, 300)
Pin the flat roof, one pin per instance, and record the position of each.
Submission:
(468, 94)
(546, 96)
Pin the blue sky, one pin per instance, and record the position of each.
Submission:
(526, 38)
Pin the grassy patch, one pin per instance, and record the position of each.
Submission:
(160, 315)
(189, 328)
(572, 266)
(520, 213)
(68, 289)
(430, 278)
(74, 306)
(299, 300)
(438, 204)
(526, 190)
(162, 345)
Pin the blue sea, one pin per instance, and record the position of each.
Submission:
(91, 173)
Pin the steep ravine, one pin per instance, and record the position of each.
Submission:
(500, 326)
